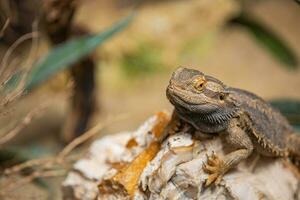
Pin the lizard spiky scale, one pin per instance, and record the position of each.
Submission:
(245, 120)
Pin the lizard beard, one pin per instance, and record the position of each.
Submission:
(213, 121)
(217, 117)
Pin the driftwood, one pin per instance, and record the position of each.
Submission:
(134, 166)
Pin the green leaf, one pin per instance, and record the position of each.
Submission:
(12, 82)
(297, 128)
(269, 40)
(63, 56)
(289, 108)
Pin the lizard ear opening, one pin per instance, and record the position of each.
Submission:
(222, 97)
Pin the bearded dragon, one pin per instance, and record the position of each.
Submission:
(244, 120)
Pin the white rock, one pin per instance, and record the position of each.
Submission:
(176, 171)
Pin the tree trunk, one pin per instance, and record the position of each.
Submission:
(58, 23)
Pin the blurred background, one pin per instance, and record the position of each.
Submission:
(249, 44)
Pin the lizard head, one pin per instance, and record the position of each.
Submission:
(193, 92)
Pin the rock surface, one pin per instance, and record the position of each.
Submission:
(175, 172)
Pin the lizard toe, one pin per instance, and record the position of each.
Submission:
(214, 167)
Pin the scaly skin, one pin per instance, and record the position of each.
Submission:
(245, 120)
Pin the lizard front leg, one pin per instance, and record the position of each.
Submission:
(217, 166)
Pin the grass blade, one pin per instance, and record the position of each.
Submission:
(63, 56)
(289, 108)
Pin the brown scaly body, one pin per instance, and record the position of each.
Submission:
(243, 119)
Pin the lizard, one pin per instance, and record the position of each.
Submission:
(244, 120)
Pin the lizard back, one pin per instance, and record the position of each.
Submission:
(266, 121)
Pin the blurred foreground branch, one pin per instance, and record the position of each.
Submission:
(4, 138)
(2, 30)
(52, 166)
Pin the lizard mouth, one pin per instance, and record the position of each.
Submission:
(182, 96)
(186, 100)
(187, 104)
(208, 113)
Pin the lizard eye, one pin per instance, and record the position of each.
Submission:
(199, 84)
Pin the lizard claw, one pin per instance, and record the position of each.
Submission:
(215, 168)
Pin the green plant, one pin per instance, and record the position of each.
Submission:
(275, 45)
(289, 108)
(64, 55)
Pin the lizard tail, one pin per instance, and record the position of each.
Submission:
(294, 148)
